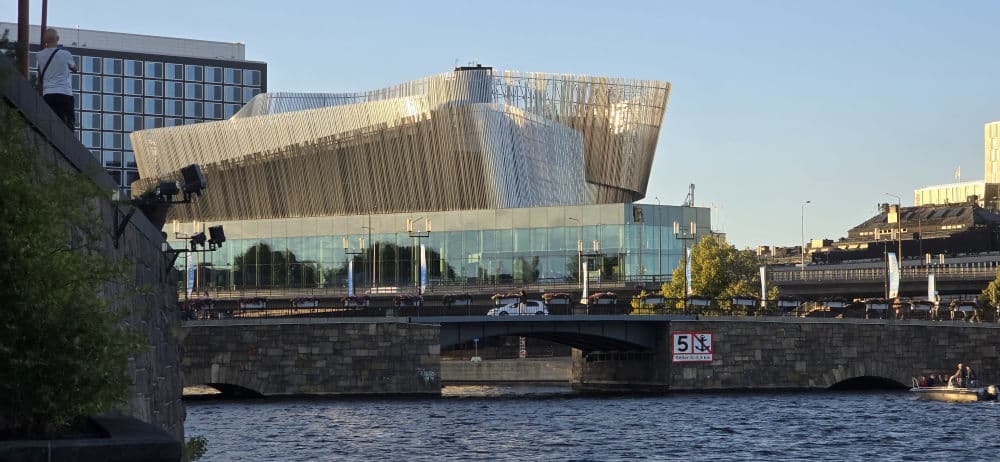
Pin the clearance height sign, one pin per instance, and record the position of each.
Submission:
(692, 347)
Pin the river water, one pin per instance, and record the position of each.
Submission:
(538, 423)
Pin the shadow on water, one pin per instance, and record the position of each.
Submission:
(868, 383)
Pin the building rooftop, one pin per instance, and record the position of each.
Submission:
(138, 43)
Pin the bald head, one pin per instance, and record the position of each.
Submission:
(51, 37)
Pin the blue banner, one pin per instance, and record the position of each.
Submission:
(190, 273)
(423, 269)
(893, 275)
(350, 277)
(687, 272)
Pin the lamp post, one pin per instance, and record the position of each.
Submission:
(350, 262)
(802, 239)
(584, 299)
(899, 229)
(680, 235)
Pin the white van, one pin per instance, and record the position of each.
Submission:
(529, 307)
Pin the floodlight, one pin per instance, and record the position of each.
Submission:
(216, 235)
(194, 180)
(198, 239)
(167, 189)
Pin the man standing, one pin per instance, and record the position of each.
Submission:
(55, 64)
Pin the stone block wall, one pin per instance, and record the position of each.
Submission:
(314, 356)
(150, 295)
(508, 370)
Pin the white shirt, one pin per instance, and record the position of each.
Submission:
(57, 77)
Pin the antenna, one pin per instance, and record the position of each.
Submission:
(689, 200)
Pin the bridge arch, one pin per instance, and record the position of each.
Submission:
(867, 373)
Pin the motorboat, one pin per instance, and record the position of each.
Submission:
(953, 394)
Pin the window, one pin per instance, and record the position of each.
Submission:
(112, 103)
(193, 91)
(90, 102)
(113, 141)
(33, 60)
(91, 65)
(78, 61)
(213, 74)
(194, 109)
(251, 78)
(213, 110)
(76, 102)
(133, 68)
(174, 71)
(90, 120)
(154, 88)
(233, 94)
(130, 177)
(133, 105)
(113, 85)
(91, 83)
(154, 70)
(172, 122)
(127, 143)
(234, 76)
(112, 122)
(249, 93)
(174, 89)
(133, 87)
(112, 158)
(153, 122)
(174, 107)
(113, 66)
(133, 123)
(192, 73)
(191, 121)
(231, 109)
(153, 106)
(213, 92)
(76, 81)
(90, 139)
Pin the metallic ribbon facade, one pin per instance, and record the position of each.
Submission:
(474, 138)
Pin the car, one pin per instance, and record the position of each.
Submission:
(529, 307)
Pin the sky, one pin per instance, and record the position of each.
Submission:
(773, 103)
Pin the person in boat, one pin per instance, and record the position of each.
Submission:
(970, 379)
(958, 378)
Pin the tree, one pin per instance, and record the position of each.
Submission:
(718, 271)
(63, 350)
(991, 294)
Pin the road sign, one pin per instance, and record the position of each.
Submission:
(692, 347)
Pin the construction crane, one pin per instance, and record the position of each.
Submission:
(689, 200)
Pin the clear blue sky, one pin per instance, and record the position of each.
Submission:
(773, 102)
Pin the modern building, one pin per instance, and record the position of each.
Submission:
(509, 177)
(129, 82)
(985, 192)
(991, 146)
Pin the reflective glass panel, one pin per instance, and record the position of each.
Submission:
(154, 88)
(113, 85)
(90, 139)
(231, 109)
(233, 95)
(234, 76)
(174, 89)
(92, 83)
(249, 93)
(193, 91)
(112, 103)
(132, 123)
(213, 74)
(154, 70)
(112, 122)
(251, 77)
(153, 106)
(133, 87)
(112, 158)
(193, 73)
(91, 64)
(174, 107)
(91, 101)
(213, 92)
(153, 122)
(133, 104)
(112, 66)
(194, 109)
(213, 110)
(90, 120)
(174, 71)
(112, 141)
(133, 68)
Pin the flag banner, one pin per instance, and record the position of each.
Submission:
(190, 273)
(423, 269)
(350, 277)
(687, 272)
(893, 275)
(931, 290)
(763, 286)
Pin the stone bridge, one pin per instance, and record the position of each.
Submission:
(611, 353)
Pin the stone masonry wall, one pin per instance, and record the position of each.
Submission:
(150, 295)
(314, 356)
(797, 353)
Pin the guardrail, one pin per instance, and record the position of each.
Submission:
(745, 307)
(979, 270)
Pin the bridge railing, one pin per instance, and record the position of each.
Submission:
(738, 307)
(975, 270)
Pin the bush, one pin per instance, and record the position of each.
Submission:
(63, 350)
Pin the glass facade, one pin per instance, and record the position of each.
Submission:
(112, 91)
(479, 247)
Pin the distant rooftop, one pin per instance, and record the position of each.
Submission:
(137, 43)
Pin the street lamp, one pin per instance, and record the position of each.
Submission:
(679, 235)
(899, 228)
(802, 239)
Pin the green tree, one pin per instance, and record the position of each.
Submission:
(63, 350)
(990, 297)
(719, 271)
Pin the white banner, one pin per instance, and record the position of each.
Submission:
(763, 286)
(687, 272)
(190, 273)
(423, 269)
(893, 275)
(931, 290)
(350, 276)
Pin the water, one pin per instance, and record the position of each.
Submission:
(503, 423)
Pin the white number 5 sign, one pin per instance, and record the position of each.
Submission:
(692, 347)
